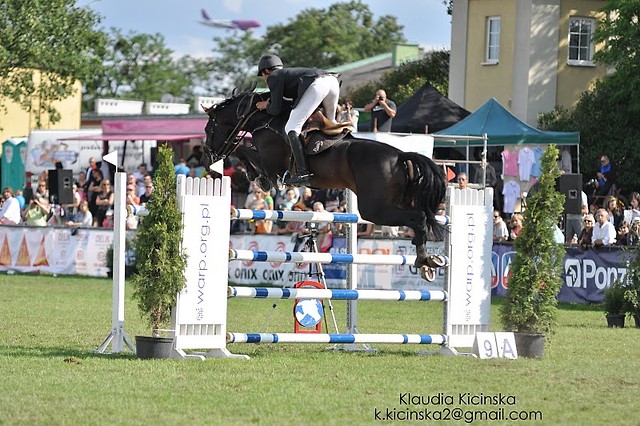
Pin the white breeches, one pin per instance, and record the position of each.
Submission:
(324, 90)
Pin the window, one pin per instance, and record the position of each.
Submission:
(581, 41)
(493, 40)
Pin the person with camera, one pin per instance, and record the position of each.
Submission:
(38, 211)
(382, 111)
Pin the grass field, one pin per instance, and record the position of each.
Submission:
(50, 374)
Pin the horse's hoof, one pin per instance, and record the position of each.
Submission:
(437, 261)
(264, 183)
(428, 273)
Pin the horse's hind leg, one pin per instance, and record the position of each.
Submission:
(393, 216)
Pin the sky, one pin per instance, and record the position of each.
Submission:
(425, 22)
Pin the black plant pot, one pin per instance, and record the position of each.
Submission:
(530, 345)
(153, 347)
(616, 320)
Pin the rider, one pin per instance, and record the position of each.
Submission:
(308, 88)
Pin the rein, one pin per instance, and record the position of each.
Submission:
(237, 134)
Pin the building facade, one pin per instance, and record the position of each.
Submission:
(530, 55)
(17, 122)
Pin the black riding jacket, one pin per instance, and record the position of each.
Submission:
(290, 83)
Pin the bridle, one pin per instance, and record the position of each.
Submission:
(243, 114)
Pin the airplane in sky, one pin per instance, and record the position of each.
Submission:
(236, 24)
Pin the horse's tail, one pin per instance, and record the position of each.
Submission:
(426, 185)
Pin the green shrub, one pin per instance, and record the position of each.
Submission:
(159, 257)
(531, 303)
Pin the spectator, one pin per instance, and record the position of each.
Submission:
(89, 174)
(307, 198)
(491, 178)
(259, 202)
(382, 112)
(10, 212)
(146, 197)
(20, 198)
(634, 207)
(334, 198)
(93, 190)
(80, 185)
(42, 189)
(104, 203)
(633, 239)
(38, 211)
(463, 180)
(350, 115)
(516, 226)
(293, 227)
(574, 222)
(290, 198)
(70, 210)
(584, 238)
(616, 214)
(140, 175)
(365, 229)
(604, 233)
(83, 218)
(181, 168)
(193, 160)
(622, 237)
(500, 230)
(321, 227)
(605, 178)
(131, 198)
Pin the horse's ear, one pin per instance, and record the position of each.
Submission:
(206, 109)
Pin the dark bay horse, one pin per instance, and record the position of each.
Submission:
(394, 188)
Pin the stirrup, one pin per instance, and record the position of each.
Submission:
(304, 179)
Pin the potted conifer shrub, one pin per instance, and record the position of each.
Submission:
(531, 303)
(615, 305)
(160, 260)
(632, 288)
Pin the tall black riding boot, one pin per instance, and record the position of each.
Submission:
(303, 177)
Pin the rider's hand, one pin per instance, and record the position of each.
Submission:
(262, 105)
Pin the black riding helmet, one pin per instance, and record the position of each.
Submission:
(268, 62)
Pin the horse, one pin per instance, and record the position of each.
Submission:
(393, 187)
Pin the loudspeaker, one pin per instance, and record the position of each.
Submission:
(570, 184)
(60, 184)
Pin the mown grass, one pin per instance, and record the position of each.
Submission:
(51, 375)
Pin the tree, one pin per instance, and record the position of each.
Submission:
(401, 83)
(342, 33)
(233, 64)
(619, 31)
(449, 5)
(45, 46)
(136, 66)
(160, 260)
(606, 115)
(536, 278)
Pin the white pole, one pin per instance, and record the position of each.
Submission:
(118, 336)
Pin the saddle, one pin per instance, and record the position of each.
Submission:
(319, 133)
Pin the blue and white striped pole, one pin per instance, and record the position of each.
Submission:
(336, 294)
(295, 216)
(305, 257)
(416, 339)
